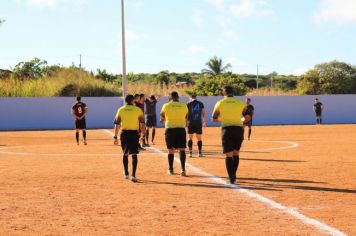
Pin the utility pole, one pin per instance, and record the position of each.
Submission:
(80, 61)
(257, 77)
(124, 79)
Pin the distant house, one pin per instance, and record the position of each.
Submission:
(5, 74)
(182, 84)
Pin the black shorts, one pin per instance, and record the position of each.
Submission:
(195, 128)
(318, 113)
(151, 121)
(80, 124)
(176, 138)
(248, 123)
(129, 141)
(232, 138)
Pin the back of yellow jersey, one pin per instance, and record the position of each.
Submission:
(129, 116)
(230, 110)
(175, 114)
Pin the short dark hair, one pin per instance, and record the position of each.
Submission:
(249, 99)
(153, 97)
(129, 98)
(228, 90)
(79, 98)
(316, 99)
(136, 95)
(174, 95)
(142, 95)
(193, 95)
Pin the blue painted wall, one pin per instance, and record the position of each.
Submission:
(54, 113)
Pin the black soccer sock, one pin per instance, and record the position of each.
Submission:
(190, 145)
(200, 146)
(134, 165)
(153, 134)
(147, 135)
(321, 121)
(84, 134)
(170, 161)
(182, 159)
(236, 161)
(77, 136)
(229, 166)
(125, 161)
(249, 132)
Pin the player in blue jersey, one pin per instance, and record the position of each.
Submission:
(196, 121)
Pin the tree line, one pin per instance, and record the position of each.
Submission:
(328, 78)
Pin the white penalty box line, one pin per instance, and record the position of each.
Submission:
(258, 197)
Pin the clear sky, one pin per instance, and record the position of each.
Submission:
(287, 36)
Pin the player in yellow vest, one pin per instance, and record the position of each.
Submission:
(229, 112)
(129, 118)
(174, 116)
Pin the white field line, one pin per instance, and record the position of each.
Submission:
(5, 150)
(269, 202)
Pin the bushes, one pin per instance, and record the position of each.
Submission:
(64, 82)
(211, 86)
(329, 78)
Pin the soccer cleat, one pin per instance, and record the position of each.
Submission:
(190, 154)
(141, 148)
(201, 154)
(125, 175)
(183, 173)
(145, 145)
(133, 179)
(85, 142)
(170, 172)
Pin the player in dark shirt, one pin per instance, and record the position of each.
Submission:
(151, 117)
(250, 110)
(140, 102)
(79, 111)
(196, 121)
(318, 109)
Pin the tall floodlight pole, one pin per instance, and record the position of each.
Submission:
(124, 78)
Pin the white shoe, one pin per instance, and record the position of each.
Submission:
(125, 175)
(133, 179)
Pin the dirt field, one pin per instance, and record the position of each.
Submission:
(51, 186)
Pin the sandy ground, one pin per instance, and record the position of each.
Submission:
(51, 186)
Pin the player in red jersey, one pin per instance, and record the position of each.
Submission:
(79, 111)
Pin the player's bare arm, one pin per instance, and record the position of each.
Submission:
(162, 117)
(117, 128)
(204, 117)
(141, 120)
(216, 116)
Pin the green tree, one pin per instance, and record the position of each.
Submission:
(33, 69)
(163, 78)
(329, 78)
(213, 86)
(215, 67)
(104, 75)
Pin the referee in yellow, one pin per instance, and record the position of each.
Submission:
(229, 112)
(129, 118)
(174, 115)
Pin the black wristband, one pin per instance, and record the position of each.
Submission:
(115, 137)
